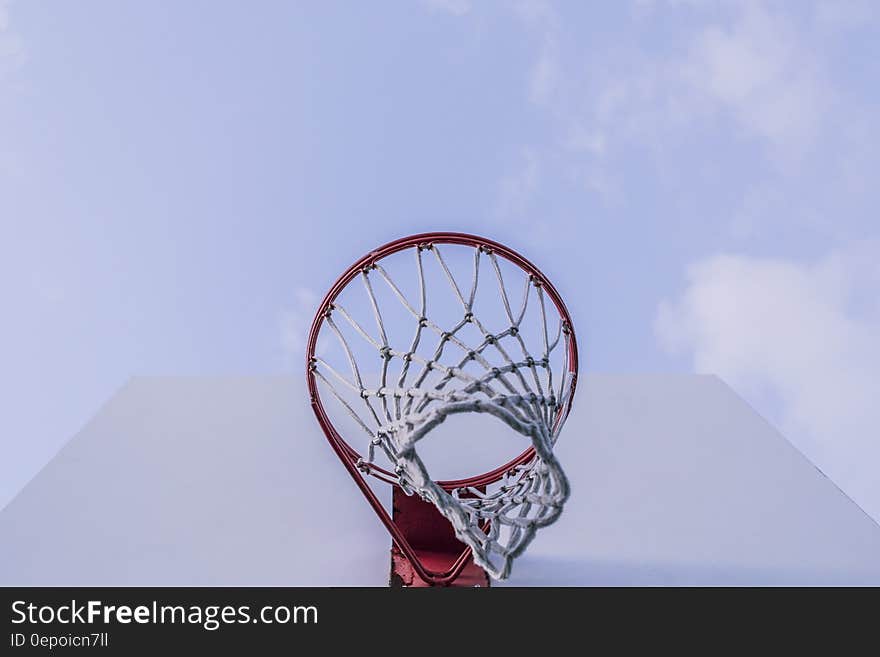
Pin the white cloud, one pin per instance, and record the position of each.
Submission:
(12, 56)
(295, 323)
(4, 15)
(11, 45)
(517, 189)
(744, 63)
(608, 189)
(542, 20)
(760, 71)
(846, 14)
(455, 7)
(721, 90)
(804, 335)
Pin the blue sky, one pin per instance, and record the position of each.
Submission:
(179, 182)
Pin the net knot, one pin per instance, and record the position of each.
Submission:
(385, 352)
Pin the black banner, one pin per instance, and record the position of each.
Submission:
(149, 620)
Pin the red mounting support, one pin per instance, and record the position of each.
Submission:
(433, 540)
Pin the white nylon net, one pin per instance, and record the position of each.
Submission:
(468, 364)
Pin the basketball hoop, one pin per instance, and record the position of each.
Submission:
(494, 371)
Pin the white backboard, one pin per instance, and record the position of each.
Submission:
(229, 481)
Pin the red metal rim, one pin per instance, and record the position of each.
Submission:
(346, 451)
